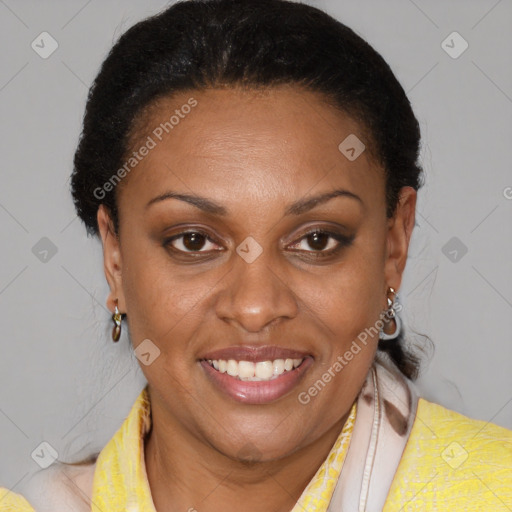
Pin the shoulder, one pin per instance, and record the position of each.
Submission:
(482, 440)
(454, 460)
(446, 419)
(62, 487)
(12, 502)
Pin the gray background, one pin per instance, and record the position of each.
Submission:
(64, 381)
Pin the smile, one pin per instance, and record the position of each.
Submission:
(255, 371)
(252, 375)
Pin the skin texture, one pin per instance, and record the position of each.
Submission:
(254, 153)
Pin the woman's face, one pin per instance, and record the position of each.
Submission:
(236, 269)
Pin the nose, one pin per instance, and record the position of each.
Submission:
(255, 295)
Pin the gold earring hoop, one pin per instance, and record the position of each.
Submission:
(116, 318)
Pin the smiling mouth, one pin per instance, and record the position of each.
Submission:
(249, 371)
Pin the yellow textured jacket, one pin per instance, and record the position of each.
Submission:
(450, 463)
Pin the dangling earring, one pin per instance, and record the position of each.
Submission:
(391, 314)
(116, 317)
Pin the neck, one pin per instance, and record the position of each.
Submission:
(185, 473)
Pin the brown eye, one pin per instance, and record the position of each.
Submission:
(193, 241)
(318, 240)
(190, 241)
(322, 242)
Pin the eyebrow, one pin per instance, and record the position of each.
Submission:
(299, 207)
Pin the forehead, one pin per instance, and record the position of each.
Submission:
(267, 143)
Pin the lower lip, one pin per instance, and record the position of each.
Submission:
(257, 392)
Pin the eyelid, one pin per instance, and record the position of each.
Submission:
(330, 229)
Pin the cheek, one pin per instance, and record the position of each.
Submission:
(164, 304)
(348, 298)
(349, 303)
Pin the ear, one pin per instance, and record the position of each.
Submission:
(400, 228)
(112, 263)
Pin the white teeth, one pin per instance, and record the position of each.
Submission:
(278, 366)
(232, 368)
(245, 369)
(264, 370)
(249, 371)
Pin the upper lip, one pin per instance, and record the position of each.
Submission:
(255, 354)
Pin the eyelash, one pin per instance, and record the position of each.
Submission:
(343, 242)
